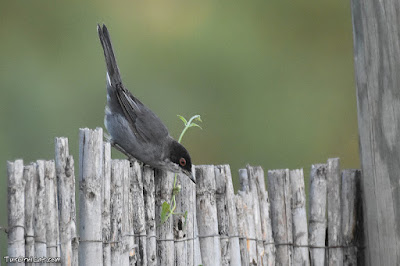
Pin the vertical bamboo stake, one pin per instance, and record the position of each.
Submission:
(70, 169)
(187, 202)
(138, 211)
(165, 236)
(334, 185)
(128, 256)
(351, 207)
(317, 223)
(149, 202)
(222, 215)
(30, 197)
(280, 193)
(40, 211)
(90, 194)
(116, 209)
(207, 215)
(52, 231)
(300, 230)
(257, 174)
(256, 213)
(16, 215)
(241, 213)
(197, 260)
(182, 228)
(249, 206)
(64, 187)
(106, 217)
(227, 217)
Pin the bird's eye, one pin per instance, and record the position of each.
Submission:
(182, 161)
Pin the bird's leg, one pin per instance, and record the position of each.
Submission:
(130, 158)
(119, 148)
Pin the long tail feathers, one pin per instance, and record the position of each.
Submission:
(112, 67)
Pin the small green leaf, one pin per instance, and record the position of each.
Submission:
(165, 211)
(198, 118)
(183, 119)
(195, 125)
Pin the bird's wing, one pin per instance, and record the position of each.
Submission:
(144, 123)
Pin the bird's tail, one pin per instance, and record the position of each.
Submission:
(112, 67)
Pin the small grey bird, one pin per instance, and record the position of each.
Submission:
(134, 129)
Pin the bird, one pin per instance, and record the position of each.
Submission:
(134, 129)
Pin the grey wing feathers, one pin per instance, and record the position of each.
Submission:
(143, 122)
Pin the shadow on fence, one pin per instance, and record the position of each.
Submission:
(120, 204)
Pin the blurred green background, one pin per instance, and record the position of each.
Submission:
(272, 80)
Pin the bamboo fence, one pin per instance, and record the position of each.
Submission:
(118, 218)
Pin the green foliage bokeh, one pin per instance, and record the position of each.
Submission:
(272, 80)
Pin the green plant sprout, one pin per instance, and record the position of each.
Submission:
(166, 210)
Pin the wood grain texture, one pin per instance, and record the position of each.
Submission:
(256, 213)
(164, 183)
(256, 174)
(317, 223)
(40, 211)
(351, 217)
(106, 198)
(281, 214)
(248, 231)
(184, 229)
(377, 66)
(90, 195)
(64, 187)
(137, 214)
(334, 186)
(227, 218)
(52, 230)
(149, 202)
(116, 211)
(16, 210)
(299, 216)
(207, 219)
(30, 197)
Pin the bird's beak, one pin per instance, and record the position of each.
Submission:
(190, 175)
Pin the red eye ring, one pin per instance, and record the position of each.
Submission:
(182, 161)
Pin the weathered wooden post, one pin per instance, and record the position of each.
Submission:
(90, 196)
(137, 213)
(106, 210)
(246, 222)
(207, 219)
(281, 214)
(150, 213)
(30, 197)
(164, 182)
(317, 220)
(40, 211)
(66, 195)
(334, 185)
(227, 217)
(119, 171)
(16, 210)
(376, 35)
(52, 230)
(256, 173)
(351, 215)
(299, 218)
